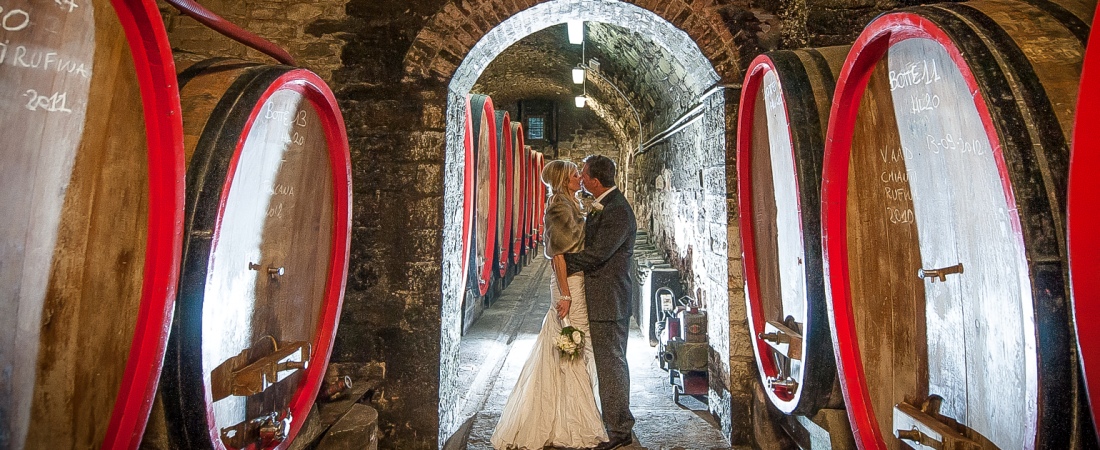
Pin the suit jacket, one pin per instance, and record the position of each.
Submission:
(605, 260)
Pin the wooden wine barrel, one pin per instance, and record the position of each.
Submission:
(781, 128)
(945, 172)
(533, 197)
(91, 189)
(1082, 217)
(483, 118)
(540, 200)
(505, 180)
(265, 256)
(469, 191)
(519, 176)
(533, 180)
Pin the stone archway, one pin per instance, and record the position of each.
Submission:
(690, 198)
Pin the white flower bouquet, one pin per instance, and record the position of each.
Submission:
(570, 342)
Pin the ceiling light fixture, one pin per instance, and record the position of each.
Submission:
(579, 100)
(576, 31)
(578, 75)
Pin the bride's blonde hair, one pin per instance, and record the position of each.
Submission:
(556, 176)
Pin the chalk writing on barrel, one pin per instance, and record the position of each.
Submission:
(772, 97)
(915, 73)
(282, 189)
(55, 102)
(275, 212)
(949, 142)
(70, 4)
(41, 60)
(14, 19)
(928, 102)
(286, 115)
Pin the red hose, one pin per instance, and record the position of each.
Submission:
(231, 30)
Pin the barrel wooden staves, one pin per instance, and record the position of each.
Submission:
(91, 189)
(519, 177)
(534, 181)
(943, 186)
(540, 198)
(505, 180)
(781, 141)
(483, 124)
(1082, 219)
(265, 256)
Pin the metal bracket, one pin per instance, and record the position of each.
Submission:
(786, 385)
(237, 376)
(925, 429)
(272, 271)
(941, 274)
(266, 430)
(783, 339)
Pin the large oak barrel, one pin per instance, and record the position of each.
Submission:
(540, 199)
(469, 190)
(945, 169)
(534, 182)
(519, 176)
(91, 189)
(483, 118)
(505, 180)
(1082, 217)
(784, 114)
(265, 256)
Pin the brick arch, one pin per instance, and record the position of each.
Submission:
(442, 49)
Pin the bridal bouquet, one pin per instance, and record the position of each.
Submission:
(570, 342)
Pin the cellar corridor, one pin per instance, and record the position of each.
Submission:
(494, 349)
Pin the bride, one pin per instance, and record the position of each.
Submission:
(553, 403)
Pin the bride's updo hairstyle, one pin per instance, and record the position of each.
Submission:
(556, 176)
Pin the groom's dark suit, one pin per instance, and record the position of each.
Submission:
(605, 261)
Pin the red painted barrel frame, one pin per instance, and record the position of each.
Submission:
(315, 91)
(1082, 218)
(469, 187)
(519, 185)
(754, 80)
(504, 208)
(484, 273)
(156, 74)
(867, 51)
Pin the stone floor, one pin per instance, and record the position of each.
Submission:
(495, 348)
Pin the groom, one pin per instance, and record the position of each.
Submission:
(605, 260)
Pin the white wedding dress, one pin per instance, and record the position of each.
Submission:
(554, 401)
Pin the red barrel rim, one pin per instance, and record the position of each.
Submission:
(156, 75)
(505, 155)
(468, 189)
(1081, 216)
(485, 271)
(867, 51)
(533, 198)
(754, 79)
(518, 188)
(317, 92)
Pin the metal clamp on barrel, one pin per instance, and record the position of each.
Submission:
(268, 431)
(783, 339)
(926, 429)
(941, 274)
(237, 376)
